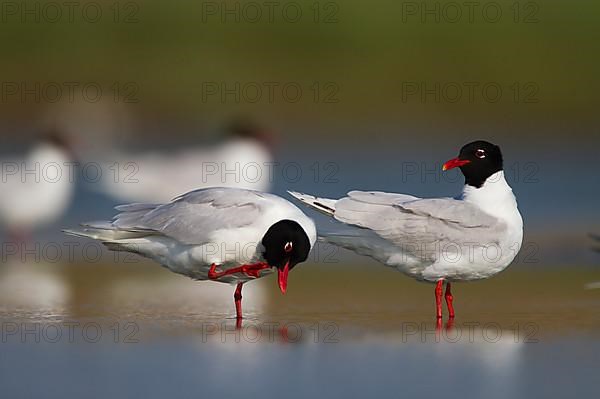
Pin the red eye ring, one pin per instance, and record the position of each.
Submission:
(288, 247)
(480, 154)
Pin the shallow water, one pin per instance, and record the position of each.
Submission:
(124, 330)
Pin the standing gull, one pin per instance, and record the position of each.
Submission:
(436, 240)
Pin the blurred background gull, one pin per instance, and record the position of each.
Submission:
(240, 158)
(36, 189)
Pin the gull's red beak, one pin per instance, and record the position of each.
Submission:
(454, 163)
(282, 276)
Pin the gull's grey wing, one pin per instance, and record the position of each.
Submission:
(450, 211)
(380, 198)
(420, 227)
(193, 217)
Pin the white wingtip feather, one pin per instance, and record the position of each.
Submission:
(323, 205)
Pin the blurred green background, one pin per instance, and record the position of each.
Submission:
(367, 51)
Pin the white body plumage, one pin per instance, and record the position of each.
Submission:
(221, 226)
(470, 238)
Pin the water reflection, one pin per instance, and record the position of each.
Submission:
(146, 292)
(224, 365)
(74, 327)
(38, 289)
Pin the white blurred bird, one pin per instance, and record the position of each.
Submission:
(243, 233)
(243, 160)
(37, 189)
(435, 239)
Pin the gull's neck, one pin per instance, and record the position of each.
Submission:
(494, 197)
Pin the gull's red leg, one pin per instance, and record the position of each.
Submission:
(449, 299)
(237, 297)
(252, 270)
(439, 289)
(212, 272)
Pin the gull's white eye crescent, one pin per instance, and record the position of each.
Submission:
(288, 247)
(480, 153)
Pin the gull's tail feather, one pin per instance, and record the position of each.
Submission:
(323, 205)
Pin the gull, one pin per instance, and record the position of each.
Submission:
(222, 234)
(37, 189)
(439, 240)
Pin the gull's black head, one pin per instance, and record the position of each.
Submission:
(247, 129)
(56, 139)
(477, 161)
(60, 141)
(286, 244)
